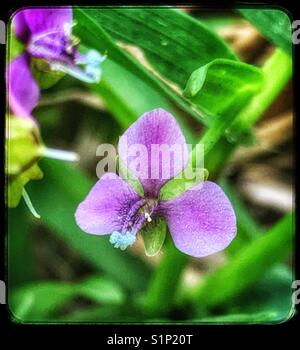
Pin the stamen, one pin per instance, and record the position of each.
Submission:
(60, 154)
(122, 240)
(29, 204)
(148, 217)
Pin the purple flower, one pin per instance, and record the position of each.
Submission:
(201, 220)
(47, 35)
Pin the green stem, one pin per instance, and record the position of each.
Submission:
(162, 288)
(277, 71)
(165, 281)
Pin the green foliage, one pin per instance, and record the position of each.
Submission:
(223, 94)
(267, 301)
(39, 302)
(91, 31)
(274, 24)
(126, 269)
(235, 83)
(174, 49)
(23, 149)
(246, 267)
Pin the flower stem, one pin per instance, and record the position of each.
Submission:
(165, 280)
(277, 71)
(29, 204)
(163, 286)
(60, 154)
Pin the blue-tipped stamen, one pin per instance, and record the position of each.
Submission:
(122, 240)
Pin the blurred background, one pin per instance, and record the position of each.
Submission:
(57, 273)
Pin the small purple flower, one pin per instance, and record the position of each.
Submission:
(47, 35)
(201, 220)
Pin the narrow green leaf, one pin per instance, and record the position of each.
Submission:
(247, 228)
(20, 257)
(274, 24)
(246, 267)
(35, 302)
(128, 97)
(175, 43)
(267, 301)
(40, 301)
(91, 33)
(101, 290)
(239, 318)
(154, 234)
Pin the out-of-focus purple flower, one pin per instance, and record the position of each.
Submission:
(201, 220)
(47, 35)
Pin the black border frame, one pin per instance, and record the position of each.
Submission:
(102, 331)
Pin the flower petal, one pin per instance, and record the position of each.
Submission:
(45, 21)
(104, 209)
(20, 26)
(159, 128)
(201, 221)
(23, 91)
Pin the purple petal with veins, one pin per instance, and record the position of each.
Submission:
(159, 128)
(23, 91)
(106, 207)
(201, 221)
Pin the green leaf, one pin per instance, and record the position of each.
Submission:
(154, 234)
(101, 290)
(127, 96)
(256, 317)
(247, 228)
(179, 184)
(35, 302)
(41, 301)
(23, 149)
(110, 314)
(54, 192)
(19, 247)
(91, 33)
(274, 24)
(16, 184)
(278, 281)
(23, 145)
(223, 86)
(175, 43)
(246, 267)
(268, 301)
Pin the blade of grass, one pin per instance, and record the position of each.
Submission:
(246, 267)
